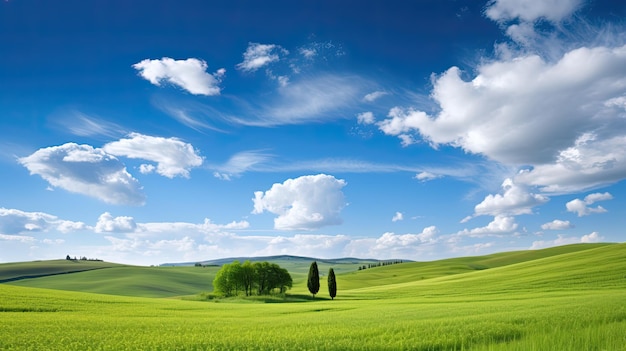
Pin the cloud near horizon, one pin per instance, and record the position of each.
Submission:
(557, 224)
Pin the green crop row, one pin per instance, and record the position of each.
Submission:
(72, 321)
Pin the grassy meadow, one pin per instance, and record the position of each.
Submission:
(566, 298)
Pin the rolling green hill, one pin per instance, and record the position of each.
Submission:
(416, 271)
(34, 269)
(116, 279)
(131, 281)
(567, 298)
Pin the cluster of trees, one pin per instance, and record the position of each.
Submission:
(261, 278)
(84, 258)
(313, 281)
(379, 264)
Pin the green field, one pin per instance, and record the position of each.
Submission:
(566, 298)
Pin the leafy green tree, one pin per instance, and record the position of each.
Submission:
(332, 284)
(313, 281)
(248, 277)
(223, 284)
(264, 277)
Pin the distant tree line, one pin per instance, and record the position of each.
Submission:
(83, 258)
(380, 264)
(198, 264)
(260, 278)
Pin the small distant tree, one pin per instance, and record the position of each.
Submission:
(332, 284)
(313, 281)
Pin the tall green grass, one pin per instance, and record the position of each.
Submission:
(568, 301)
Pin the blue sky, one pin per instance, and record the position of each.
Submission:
(147, 132)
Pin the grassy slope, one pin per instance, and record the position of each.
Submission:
(416, 271)
(20, 269)
(599, 267)
(572, 301)
(131, 281)
(177, 281)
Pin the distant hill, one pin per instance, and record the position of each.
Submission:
(184, 279)
(221, 261)
(36, 269)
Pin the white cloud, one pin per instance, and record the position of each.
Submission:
(574, 139)
(391, 245)
(304, 203)
(516, 200)
(586, 165)
(259, 55)
(426, 176)
(308, 53)
(189, 74)
(557, 225)
(373, 96)
(65, 226)
(522, 16)
(176, 227)
(85, 170)
(591, 238)
(500, 225)
(531, 10)
(565, 240)
(399, 216)
(146, 168)
(109, 224)
(592, 198)
(582, 208)
(14, 221)
(21, 238)
(391, 240)
(366, 118)
(173, 156)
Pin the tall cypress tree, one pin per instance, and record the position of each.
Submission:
(332, 284)
(313, 281)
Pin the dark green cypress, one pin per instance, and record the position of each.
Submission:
(332, 284)
(313, 281)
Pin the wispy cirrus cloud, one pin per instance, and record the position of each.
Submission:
(83, 124)
(240, 163)
(307, 100)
